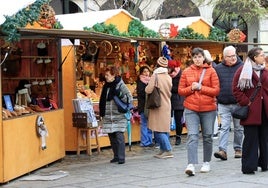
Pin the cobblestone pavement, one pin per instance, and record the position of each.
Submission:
(143, 170)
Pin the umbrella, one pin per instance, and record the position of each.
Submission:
(128, 117)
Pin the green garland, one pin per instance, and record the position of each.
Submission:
(27, 15)
(137, 29)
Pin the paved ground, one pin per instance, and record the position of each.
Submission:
(143, 170)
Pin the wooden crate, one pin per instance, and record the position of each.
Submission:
(80, 120)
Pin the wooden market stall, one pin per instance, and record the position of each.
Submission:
(88, 59)
(32, 118)
(26, 76)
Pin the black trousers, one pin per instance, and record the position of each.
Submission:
(117, 140)
(255, 146)
(178, 114)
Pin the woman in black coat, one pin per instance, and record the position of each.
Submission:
(146, 133)
(176, 100)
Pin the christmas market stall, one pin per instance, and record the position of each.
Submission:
(84, 67)
(32, 118)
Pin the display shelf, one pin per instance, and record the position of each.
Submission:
(37, 57)
(29, 78)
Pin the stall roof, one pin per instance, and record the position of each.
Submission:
(69, 34)
(194, 41)
(77, 21)
(173, 40)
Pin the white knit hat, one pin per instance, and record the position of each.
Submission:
(207, 56)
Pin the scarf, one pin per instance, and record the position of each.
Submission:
(160, 70)
(245, 78)
(175, 72)
(107, 94)
(144, 79)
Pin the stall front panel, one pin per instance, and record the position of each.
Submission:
(23, 151)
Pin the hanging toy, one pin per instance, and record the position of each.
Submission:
(42, 131)
(166, 52)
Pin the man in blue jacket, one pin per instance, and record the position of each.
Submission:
(226, 103)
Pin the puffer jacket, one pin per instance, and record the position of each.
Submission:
(203, 100)
(114, 121)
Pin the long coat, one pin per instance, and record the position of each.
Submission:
(114, 121)
(176, 99)
(141, 95)
(159, 119)
(256, 108)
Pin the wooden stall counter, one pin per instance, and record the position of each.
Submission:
(22, 151)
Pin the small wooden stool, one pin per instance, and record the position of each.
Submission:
(84, 131)
(85, 134)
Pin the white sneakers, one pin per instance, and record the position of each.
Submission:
(190, 169)
(205, 167)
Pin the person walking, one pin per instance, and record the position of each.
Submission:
(159, 119)
(227, 103)
(114, 123)
(248, 79)
(176, 100)
(210, 61)
(199, 84)
(146, 138)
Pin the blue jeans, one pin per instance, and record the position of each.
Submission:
(224, 111)
(193, 120)
(163, 140)
(146, 134)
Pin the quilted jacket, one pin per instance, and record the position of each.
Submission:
(203, 100)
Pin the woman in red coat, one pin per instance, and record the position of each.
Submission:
(199, 108)
(255, 144)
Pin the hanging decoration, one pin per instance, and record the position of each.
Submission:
(167, 30)
(42, 131)
(235, 35)
(36, 14)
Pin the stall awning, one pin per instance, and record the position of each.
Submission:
(194, 41)
(172, 40)
(69, 34)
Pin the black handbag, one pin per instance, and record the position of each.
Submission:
(241, 112)
(154, 99)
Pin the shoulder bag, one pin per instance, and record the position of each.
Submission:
(241, 112)
(122, 106)
(154, 99)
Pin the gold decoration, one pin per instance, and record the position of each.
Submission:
(234, 35)
(47, 16)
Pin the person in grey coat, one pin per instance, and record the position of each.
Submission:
(114, 122)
